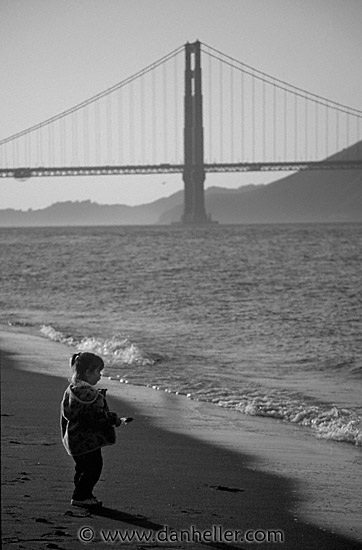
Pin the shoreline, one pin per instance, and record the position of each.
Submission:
(179, 464)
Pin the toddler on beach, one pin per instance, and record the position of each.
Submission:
(87, 425)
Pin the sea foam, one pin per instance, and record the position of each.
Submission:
(327, 421)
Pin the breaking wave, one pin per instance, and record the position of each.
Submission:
(116, 349)
(326, 420)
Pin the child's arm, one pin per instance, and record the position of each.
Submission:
(113, 417)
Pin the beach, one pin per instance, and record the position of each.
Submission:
(179, 471)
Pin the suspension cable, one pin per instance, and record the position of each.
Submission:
(96, 97)
(248, 69)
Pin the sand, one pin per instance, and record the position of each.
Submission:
(189, 474)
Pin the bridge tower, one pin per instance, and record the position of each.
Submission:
(193, 171)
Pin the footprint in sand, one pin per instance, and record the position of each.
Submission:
(22, 477)
(191, 512)
(42, 520)
(227, 489)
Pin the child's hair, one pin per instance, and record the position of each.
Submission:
(81, 362)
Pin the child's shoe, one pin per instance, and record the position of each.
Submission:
(96, 501)
(87, 503)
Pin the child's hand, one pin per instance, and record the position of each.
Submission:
(126, 420)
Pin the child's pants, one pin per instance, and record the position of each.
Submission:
(88, 468)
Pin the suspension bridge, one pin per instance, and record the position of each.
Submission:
(194, 111)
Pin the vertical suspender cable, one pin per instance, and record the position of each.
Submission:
(221, 111)
(26, 150)
(285, 125)
(210, 105)
(347, 123)
(51, 144)
(131, 123)
(22, 151)
(4, 155)
(97, 132)
(275, 121)
(327, 132)
(165, 107)
(242, 117)
(16, 154)
(142, 116)
(109, 128)
(38, 147)
(62, 137)
(359, 133)
(85, 137)
(176, 131)
(253, 116)
(120, 127)
(47, 146)
(295, 118)
(29, 148)
(316, 131)
(231, 115)
(264, 121)
(306, 127)
(41, 147)
(28, 154)
(74, 139)
(42, 150)
(154, 118)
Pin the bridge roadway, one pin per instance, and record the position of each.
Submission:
(62, 171)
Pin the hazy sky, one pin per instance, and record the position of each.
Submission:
(56, 53)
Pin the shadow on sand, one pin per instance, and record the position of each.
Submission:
(175, 479)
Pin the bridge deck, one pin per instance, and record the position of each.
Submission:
(41, 171)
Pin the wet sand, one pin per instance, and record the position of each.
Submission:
(181, 470)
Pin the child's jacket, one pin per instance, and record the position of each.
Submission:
(86, 422)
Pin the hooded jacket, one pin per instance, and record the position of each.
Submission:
(86, 422)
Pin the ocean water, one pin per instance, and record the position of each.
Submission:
(265, 320)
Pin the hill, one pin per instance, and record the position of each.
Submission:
(89, 213)
(307, 196)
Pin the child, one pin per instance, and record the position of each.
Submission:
(87, 425)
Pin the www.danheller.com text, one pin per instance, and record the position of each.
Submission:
(217, 533)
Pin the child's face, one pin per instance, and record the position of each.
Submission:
(93, 376)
